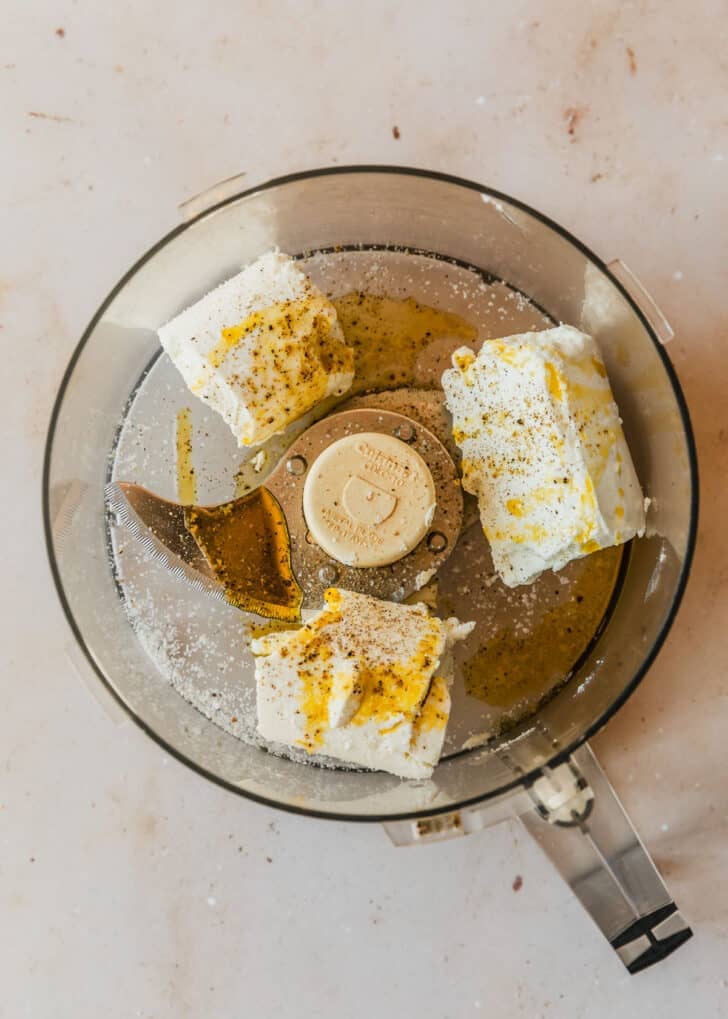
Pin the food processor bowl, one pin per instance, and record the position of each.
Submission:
(363, 218)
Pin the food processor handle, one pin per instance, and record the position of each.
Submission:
(580, 824)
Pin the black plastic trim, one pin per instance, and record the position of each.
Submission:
(659, 948)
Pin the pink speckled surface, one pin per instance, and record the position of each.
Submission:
(130, 887)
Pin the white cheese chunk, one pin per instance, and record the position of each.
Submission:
(262, 349)
(363, 681)
(543, 450)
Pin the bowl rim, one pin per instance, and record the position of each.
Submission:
(562, 754)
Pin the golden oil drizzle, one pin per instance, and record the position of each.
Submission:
(186, 480)
(388, 335)
(516, 673)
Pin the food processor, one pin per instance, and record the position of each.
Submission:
(178, 660)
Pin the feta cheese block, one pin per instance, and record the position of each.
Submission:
(363, 681)
(543, 450)
(262, 349)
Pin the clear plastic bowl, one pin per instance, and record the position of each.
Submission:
(412, 215)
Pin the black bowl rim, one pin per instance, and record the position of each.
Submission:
(629, 688)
